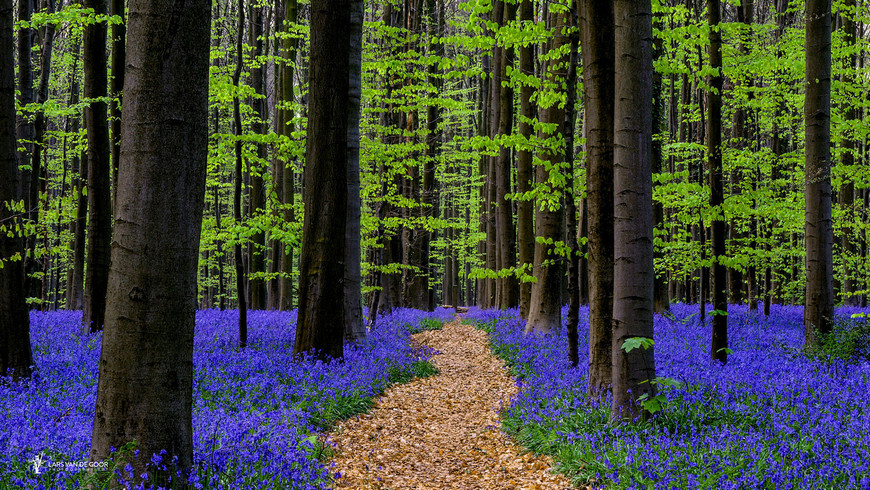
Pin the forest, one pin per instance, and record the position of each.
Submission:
(434, 244)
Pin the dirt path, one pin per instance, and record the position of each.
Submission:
(441, 432)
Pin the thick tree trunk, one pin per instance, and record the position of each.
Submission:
(819, 306)
(546, 304)
(15, 354)
(320, 328)
(633, 272)
(355, 330)
(717, 195)
(99, 170)
(525, 207)
(145, 390)
(598, 82)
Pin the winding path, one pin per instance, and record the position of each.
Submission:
(441, 432)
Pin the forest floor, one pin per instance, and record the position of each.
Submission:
(442, 431)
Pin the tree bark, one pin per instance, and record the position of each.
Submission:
(257, 251)
(16, 358)
(719, 342)
(633, 272)
(573, 317)
(819, 303)
(320, 328)
(525, 207)
(355, 330)
(598, 83)
(237, 191)
(847, 189)
(145, 390)
(99, 170)
(288, 188)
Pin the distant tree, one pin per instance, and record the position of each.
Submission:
(145, 390)
(238, 255)
(598, 82)
(819, 305)
(96, 85)
(15, 353)
(320, 328)
(633, 272)
(546, 303)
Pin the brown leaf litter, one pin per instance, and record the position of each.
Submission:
(442, 431)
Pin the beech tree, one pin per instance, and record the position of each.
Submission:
(15, 353)
(714, 147)
(633, 272)
(99, 170)
(819, 306)
(320, 328)
(145, 390)
(546, 302)
(598, 83)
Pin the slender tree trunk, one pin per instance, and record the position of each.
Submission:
(237, 194)
(661, 300)
(525, 207)
(598, 82)
(819, 306)
(257, 254)
(288, 187)
(546, 304)
(847, 189)
(119, 53)
(508, 287)
(573, 317)
(16, 358)
(38, 170)
(717, 195)
(145, 390)
(633, 272)
(99, 170)
(320, 328)
(75, 285)
(23, 125)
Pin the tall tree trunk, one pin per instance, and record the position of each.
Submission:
(661, 300)
(525, 207)
(508, 287)
(257, 257)
(355, 330)
(23, 125)
(99, 170)
(545, 309)
(573, 317)
(850, 147)
(119, 53)
(819, 306)
(717, 195)
(633, 272)
(320, 328)
(16, 358)
(237, 191)
(75, 285)
(145, 390)
(288, 189)
(598, 83)
(38, 169)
